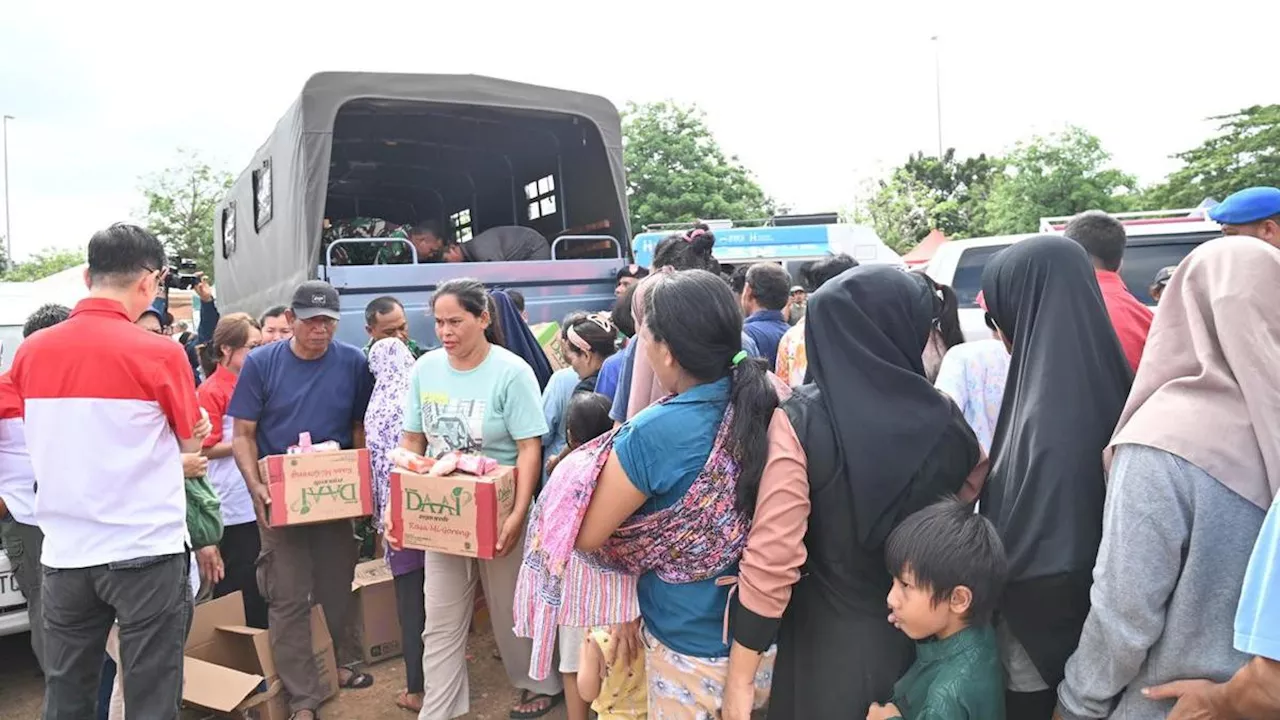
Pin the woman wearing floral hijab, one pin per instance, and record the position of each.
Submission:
(390, 361)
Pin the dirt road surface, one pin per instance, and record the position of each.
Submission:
(22, 687)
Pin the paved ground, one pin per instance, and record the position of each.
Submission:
(21, 687)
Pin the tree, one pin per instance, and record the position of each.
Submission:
(927, 193)
(676, 172)
(181, 204)
(1244, 153)
(43, 264)
(1061, 174)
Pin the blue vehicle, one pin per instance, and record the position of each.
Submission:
(780, 240)
(468, 152)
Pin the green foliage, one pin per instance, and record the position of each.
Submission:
(1061, 174)
(1245, 152)
(43, 264)
(676, 172)
(927, 193)
(181, 204)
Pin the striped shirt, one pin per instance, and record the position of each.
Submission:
(105, 403)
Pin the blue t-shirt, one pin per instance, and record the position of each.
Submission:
(555, 400)
(663, 450)
(766, 328)
(485, 409)
(622, 393)
(607, 380)
(287, 395)
(1258, 615)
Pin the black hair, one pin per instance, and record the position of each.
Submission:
(623, 315)
(45, 316)
(380, 306)
(639, 272)
(602, 341)
(231, 331)
(770, 284)
(122, 251)
(947, 545)
(687, 251)
(274, 311)
(424, 227)
(695, 314)
(473, 298)
(517, 299)
(817, 273)
(1101, 235)
(738, 279)
(587, 418)
(946, 310)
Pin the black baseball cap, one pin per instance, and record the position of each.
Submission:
(1163, 275)
(315, 298)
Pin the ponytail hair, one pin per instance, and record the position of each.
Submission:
(232, 332)
(946, 311)
(696, 315)
(687, 251)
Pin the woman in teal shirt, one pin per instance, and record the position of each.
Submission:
(477, 397)
(692, 334)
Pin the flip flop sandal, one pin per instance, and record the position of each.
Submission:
(314, 714)
(357, 680)
(528, 698)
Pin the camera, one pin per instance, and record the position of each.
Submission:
(182, 274)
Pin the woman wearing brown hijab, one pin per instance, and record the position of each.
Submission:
(1194, 466)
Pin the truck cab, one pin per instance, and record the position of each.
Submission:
(467, 153)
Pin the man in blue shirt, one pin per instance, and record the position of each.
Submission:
(315, 384)
(1254, 691)
(764, 296)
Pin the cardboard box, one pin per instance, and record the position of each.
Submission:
(377, 619)
(548, 336)
(318, 487)
(457, 514)
(229, 669)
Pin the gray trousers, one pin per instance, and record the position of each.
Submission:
(150, 598)
(22, 544)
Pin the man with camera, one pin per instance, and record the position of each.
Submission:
(108, 413)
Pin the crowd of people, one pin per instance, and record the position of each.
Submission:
(739, 497)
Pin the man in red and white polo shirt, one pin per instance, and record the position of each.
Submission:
(22, 537)
(108, 410)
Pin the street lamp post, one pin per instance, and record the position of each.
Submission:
(8, 234)
(937, 84)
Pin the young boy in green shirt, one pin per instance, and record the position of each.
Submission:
(949, 569)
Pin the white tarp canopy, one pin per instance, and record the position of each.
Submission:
(19, 299)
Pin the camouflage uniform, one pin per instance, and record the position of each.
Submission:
(367, 253)
(416, 351)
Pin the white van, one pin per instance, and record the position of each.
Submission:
(13, 605)
(1156, 239)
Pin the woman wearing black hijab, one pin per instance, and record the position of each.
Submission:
(881, 443)
(1068, 380)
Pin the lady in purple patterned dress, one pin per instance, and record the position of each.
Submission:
(390, 361)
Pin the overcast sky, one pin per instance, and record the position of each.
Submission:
(815, 98)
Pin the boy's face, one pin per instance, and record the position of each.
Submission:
(913, 611)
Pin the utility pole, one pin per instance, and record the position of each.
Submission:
(8, 234)
(937, 84)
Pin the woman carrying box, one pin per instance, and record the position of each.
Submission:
(476, 397)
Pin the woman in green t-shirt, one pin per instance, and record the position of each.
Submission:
(475, 396)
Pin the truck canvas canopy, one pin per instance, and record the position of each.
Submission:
(467, 152)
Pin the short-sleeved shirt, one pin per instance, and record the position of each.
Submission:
(17, 478)
(1258, 615)
(286, 395)
(215, 395)
(610, 370)
(105, 404)
(663, 450)
(792, 361)
(483, 410)
(555, 400)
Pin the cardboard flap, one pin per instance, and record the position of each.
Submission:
(215, 687)
(209, 616)
(371, 572)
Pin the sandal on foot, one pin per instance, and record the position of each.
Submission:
(356, 680)
(314, 715)
(530, 698)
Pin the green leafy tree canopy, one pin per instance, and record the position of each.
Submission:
(1245, 152)
(677, 172)
(43, 264)
(1060, 174)
(929, 192)
(181, 204)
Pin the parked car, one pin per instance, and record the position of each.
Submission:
(13, 606)
(1155, 240)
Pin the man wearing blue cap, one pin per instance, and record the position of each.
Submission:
(1253, 211)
